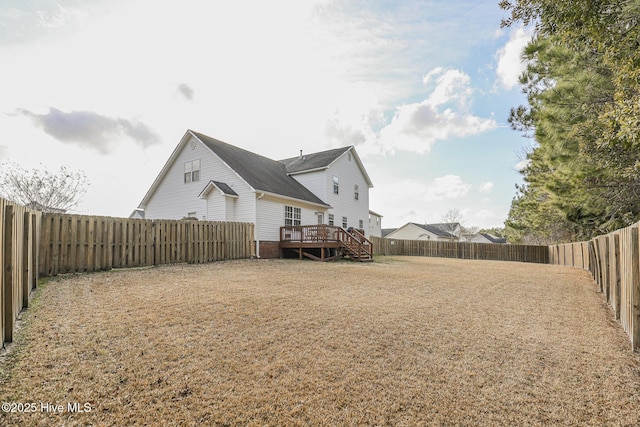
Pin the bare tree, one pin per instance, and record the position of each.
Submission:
(42, 190)
(451, 221)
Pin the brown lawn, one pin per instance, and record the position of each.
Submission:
(403, 341)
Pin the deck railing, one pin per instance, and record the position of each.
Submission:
(353, 240)
(309, 233)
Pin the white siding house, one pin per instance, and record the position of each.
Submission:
(338, 177)
(375, 224)
(413, 231)
(211, 180)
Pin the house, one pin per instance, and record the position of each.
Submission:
(453, 228)
(484, 238)
(414, 231)
(387, 231)
(375, 224)
(211, 180)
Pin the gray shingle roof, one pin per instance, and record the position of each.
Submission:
(261, 173)
(225, 188)
(433, 228)
(493, 239)
(313, 161)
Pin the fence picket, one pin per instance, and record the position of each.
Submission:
(462, 250)
(88, 243)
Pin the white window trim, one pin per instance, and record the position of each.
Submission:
(191, 171)
(292, 216)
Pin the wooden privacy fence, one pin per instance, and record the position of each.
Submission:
(19, 234)
(77, 243)
(461, 250)
(614, 263)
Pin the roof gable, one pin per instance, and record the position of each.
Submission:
(306, 162)
(222, 187)
(261, 173)
(322, 160)
(434, 229)
(429, 228)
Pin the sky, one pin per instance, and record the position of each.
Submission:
(422, 89)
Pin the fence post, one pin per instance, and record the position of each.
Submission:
(7, 292)
(26, 267)
(35, 251)
(635, 289)
(606, 270)
(617, 293)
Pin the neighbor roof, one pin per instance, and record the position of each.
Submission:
(261, 173)
(493, 239)
(434, 229)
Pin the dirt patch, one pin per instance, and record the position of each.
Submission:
(405, 341)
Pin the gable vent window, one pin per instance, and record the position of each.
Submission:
(192, 171)
(336, 185)
(356, 192)
(292, 216)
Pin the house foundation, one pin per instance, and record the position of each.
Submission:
(269, 250)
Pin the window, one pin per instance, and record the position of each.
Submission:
(336, 185)
(361, 225)
(344, 222)
(331, 221)
(192, 171)
(292, 215)
(356, 192)
(320, 218)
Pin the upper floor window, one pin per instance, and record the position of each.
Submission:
(356, 192)
(292, 215)
(336, 185)
(192, 171)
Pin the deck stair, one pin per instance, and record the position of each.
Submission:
(326, 242)
(357, 246)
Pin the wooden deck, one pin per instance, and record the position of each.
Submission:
(325, 242)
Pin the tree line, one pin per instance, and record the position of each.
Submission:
(582, 82)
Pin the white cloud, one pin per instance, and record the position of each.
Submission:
(486, 187)
(522, 164)
(510, 63)
(447, 187)
(61, 16)
(444, 114)
(452, 85)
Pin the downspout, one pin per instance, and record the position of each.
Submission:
(257, 227)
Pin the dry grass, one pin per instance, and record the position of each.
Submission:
(405, 341)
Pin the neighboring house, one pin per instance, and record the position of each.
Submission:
(484, 238)
(414, 231)
(375, 224)
(211, 180)
(451, 228)
(387, 231)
